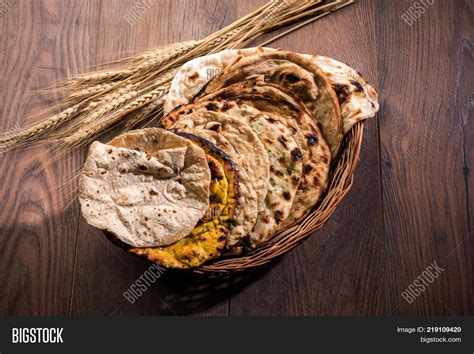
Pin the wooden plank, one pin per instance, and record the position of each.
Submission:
(411, 203)
(421, 67)
(41, 42)
(105, 272)
(131, 26)
(464, 96)
(341, 269)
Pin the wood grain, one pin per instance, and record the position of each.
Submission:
(464, 105)
(410, 205)
(41, 42)
(424, 195)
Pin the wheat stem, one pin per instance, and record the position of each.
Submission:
(101, 100)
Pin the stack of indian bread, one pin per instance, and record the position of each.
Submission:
(243, 152)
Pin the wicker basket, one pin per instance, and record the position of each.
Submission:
(340, 182)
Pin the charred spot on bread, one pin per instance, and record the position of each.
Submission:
(194, 76)
(212, 107)
(357, 86)
(312, 139)
(307, 169)
(283, 141)
(343, 92)
(292, 78)
(297, 155)
(278, 214)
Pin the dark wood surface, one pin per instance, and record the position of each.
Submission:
(411, 203)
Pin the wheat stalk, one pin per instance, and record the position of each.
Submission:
(89, 91)
(144, 114)
(36, 131)
(83, 134)
(131, 65)
(100, 77)
(95, 110)
(98, 101)
(104, 125)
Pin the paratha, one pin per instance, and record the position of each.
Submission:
(147, 187)
(280, 103)
(283, 151)
(246, 209)
(208, 238)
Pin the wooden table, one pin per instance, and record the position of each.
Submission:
(411, 204)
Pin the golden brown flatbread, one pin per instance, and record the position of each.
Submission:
(283, 152)
(283, 105)
(246, 210)
(295, 73)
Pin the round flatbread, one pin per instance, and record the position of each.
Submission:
(246, 210)
(247, 145)
(284, 154)
(148, 187)
(295, 73)
(208, 238)
(280, 103)
(357, 99)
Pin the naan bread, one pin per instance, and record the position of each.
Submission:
(280, 103)
(151, 192)
(196, 73)
(284, 154)
(246, 210)
(295, 73)
(358, 100)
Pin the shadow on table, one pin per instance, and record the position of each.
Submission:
(186, 293)
(191, 294)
